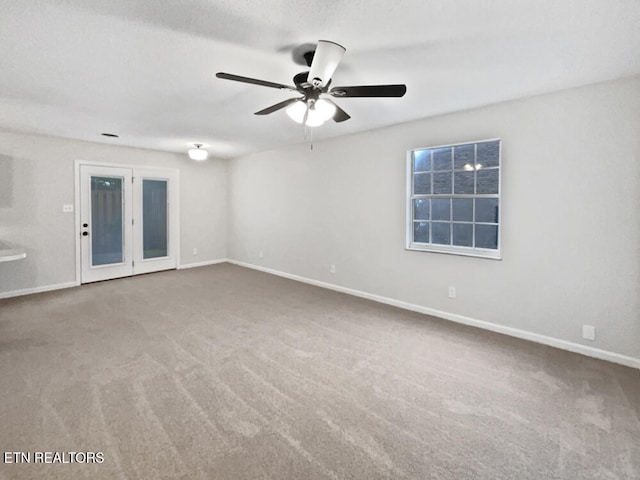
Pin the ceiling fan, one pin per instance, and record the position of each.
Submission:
(313, 108)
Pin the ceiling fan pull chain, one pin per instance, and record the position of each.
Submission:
(308, 134)
(307, 128)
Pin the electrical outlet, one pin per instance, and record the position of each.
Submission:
(67, 208)
(452, 292)
(195, 251)
(588, 332)
(332, 268)
(260, 254)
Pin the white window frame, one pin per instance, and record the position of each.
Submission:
(451, 249)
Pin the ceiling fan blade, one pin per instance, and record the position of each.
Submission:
(253, 81)
(369, 91)
(340, 115)
(276, 107)
(325, 61)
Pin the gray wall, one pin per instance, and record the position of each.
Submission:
(570, 235)
(38, 178)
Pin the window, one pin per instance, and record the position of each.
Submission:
(453, 199)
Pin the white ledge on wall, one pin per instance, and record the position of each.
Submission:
(10, 252)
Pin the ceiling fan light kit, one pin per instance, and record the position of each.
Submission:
(316, 114)
(197, 153)
(312, 109)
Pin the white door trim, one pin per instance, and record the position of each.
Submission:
(175, 209)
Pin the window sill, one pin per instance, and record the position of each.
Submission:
(466, 252)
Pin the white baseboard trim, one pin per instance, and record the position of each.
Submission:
(512, 332)
(202, 264)
(60, 286)
(46, 288)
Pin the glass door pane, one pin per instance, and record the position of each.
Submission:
(154, 218)
(107, 220)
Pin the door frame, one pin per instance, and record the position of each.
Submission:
(174, 175)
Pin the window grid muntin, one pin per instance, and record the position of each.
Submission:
(451, 248)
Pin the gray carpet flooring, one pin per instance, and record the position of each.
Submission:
(223, 372)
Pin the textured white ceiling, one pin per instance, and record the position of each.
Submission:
(146, 69)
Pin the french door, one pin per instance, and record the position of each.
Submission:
(128, 221)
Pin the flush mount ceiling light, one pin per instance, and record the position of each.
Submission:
(197, 153)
